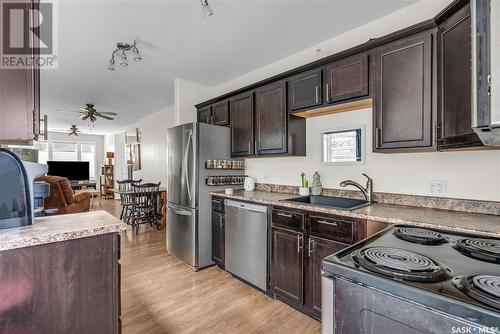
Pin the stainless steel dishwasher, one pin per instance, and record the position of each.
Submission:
(246, 242)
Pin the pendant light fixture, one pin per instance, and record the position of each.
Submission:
(121, 53)
(207, 10)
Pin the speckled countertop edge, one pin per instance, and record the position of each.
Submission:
(60, 228)
(462, 222)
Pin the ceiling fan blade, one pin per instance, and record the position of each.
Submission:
(84, 109)
(107, 113)
(104, 116)
(84, 117)
(69, 111)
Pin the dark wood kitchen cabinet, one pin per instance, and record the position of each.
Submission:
(220, 113)
(317, 250)
(20, 121)
(305, 90)
(242, 124)
(287, 262)
(69, 286)
(205, 115)
(454, 82)
(271, 119)
(346, 79)
(218, 231)
(403, 106)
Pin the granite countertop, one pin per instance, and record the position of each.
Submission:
(60, 228)
(488, 225)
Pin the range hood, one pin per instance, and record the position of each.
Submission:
(486, 70)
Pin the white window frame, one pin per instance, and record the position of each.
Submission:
(78, 151)
(362, 127)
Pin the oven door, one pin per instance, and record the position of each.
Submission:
(366, 310)
(327, 293)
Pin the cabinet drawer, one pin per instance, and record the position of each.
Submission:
(288, 219)
(332, 228)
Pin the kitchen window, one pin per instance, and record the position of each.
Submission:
(343, 146)
(69, 151)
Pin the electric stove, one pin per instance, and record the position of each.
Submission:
(413, 280)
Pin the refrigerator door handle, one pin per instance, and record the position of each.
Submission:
(185, 162)
(181, 212)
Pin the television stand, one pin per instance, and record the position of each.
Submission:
(77, 185)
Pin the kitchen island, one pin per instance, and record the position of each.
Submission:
(61, 275)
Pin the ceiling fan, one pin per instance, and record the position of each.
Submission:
(89, 112)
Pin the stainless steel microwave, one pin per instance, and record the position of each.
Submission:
(486, 70)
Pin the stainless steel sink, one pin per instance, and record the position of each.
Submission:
(332, 202)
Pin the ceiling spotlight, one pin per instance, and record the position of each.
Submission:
(121, 53)
(207, 10)
(137, 56)
(123, 59)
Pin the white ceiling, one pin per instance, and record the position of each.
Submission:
(177, 42)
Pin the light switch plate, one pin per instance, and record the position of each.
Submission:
(436, 187)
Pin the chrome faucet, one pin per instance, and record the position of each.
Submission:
(367, 191)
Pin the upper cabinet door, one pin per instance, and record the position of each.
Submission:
(454, 82)
(403, 108)
(304, 90)
(271, 119)
(242, 136)
(347, 79)
(205, 115)
(220, 113)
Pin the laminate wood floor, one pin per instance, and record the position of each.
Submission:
(161, 295)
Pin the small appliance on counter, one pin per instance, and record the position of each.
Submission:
(249, 183)
(406, 279)
(16, 189)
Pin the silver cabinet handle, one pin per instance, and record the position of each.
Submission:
(327, 222)
(327, 93)
(45, 132)
(221, 220)
(298, 243)
(317, 94)
(216, 201)
(311, 247)
(249, 148)
(286, 215)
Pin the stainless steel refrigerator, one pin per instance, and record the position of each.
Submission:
(189, 229)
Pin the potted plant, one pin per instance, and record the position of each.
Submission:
(304, 185)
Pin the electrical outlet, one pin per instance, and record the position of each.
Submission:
(436, 187)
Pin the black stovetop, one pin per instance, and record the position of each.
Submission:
(438, 293)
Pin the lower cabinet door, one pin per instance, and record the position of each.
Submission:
(317, 250)
(287, 251)
(218, 238)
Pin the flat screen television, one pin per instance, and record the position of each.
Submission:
(73, 170)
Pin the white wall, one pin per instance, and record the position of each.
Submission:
(473, 175)
(153, 129)
(84, 138)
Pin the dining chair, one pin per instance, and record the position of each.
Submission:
(125, 186)
(144, 205)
